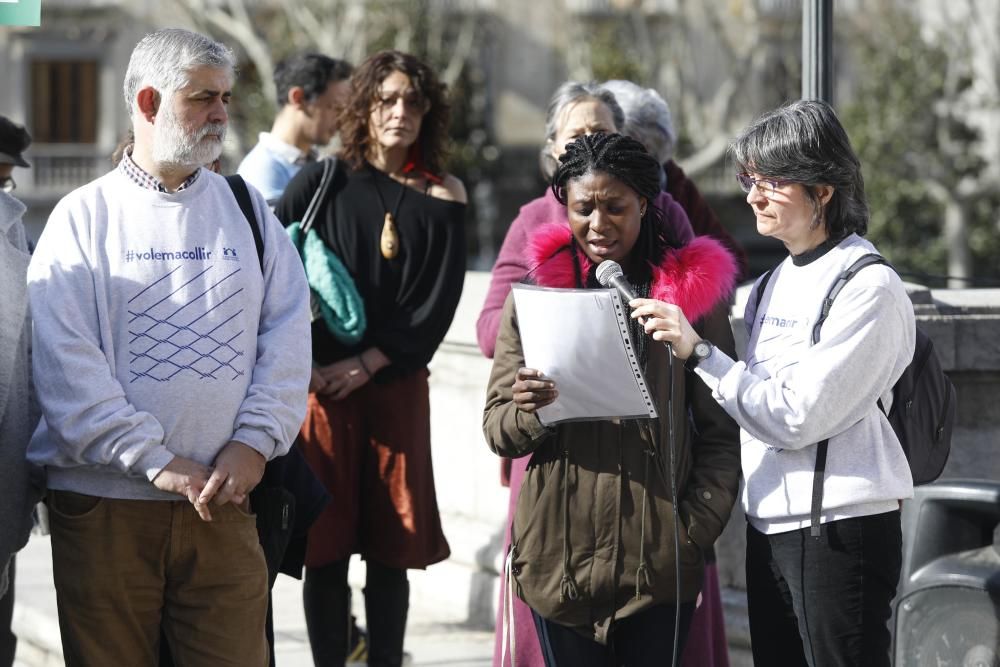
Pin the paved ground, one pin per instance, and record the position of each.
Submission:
(430, 642)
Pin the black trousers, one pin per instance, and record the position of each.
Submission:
(327, 599)
(824, 601)
(643, 640)
(8, 640)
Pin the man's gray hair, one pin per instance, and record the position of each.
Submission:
(647, 118)
(566, 95)
(164, 59)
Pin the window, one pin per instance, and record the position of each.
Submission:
(64, 101)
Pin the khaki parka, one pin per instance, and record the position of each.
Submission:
(592, 535)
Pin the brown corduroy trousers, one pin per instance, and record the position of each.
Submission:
(125, 568)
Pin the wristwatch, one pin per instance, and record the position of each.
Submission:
(702, 350)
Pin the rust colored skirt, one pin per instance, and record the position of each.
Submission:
(372, 450)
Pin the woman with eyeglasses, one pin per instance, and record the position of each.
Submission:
(396, 220)
(819, 589)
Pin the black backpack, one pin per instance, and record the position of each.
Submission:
(289, 498)
(923, 400)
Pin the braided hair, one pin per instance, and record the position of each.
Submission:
(628, 161)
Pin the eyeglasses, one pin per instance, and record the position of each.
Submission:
(766, 186)
(7, 184)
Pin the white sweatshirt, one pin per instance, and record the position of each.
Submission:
(156, 334)
(790, 394)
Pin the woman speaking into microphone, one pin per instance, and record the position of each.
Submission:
(592, 544)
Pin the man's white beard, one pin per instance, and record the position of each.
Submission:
(174, 147)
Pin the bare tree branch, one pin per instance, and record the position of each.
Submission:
(239, 27)
(461, 52)
(304, 21)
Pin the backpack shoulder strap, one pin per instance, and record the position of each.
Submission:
(758, 295)
(838, 285)
(819, 471)
(761, 286)
(242, 194)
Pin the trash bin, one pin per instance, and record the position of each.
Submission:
(947, 609)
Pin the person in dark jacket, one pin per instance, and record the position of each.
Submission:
(591, 544)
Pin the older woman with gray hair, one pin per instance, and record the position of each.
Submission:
(825, 473)
(574, 110)
(648, 119)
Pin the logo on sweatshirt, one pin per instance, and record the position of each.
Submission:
(151, 254)
(189, 322)
(780, 322)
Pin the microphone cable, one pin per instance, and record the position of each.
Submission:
(672, 452)
(610, 274)
(672, 448)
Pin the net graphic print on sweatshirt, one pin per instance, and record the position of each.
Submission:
(192, 328)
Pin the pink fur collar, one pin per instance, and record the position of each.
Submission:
(695, 277)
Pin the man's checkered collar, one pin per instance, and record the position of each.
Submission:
(139, 176)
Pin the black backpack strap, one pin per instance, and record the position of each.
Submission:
(820, 471)
(758, 296)
(817, 498)
(838, 285)
(761, 286)
(242, 194)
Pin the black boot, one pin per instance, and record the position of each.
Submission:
(326, 597)
(387, 601)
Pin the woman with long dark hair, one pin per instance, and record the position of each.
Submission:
(395, 219)
(592, 549)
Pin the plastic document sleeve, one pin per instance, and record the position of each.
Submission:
(579, 338)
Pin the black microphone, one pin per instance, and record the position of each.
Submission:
(610, 274)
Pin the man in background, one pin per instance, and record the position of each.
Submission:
(311, 90)
(20, 483)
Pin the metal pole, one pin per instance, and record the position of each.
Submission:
(817, 50)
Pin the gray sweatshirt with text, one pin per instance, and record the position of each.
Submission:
(157, 335)
(789, 394)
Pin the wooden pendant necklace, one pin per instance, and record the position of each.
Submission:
(389, 239)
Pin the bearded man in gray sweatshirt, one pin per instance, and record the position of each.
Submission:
(168, 365)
